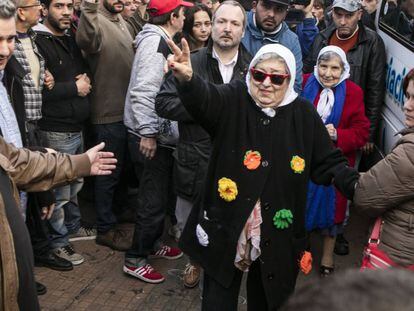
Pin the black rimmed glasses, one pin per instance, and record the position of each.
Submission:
(37, 4)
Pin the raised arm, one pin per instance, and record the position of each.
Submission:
(89, 34)
(207, 103)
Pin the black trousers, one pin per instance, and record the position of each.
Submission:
(219, 298)
(114, 135)
(37, 227)
(155, 195)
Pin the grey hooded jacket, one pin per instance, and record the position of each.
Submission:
(146, 78)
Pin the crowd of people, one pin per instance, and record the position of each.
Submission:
(242, 122)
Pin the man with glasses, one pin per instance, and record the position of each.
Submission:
(26, 53)
(265, 24)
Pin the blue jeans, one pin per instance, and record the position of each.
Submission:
(114, 135)
(66, 216)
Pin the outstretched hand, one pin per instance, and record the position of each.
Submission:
(102, 162)
(180, 62)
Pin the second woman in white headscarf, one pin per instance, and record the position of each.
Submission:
(340, 105)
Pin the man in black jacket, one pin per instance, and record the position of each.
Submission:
(193, 149)
(65, 108)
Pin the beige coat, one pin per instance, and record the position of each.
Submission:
(387, 190)
(29, 171)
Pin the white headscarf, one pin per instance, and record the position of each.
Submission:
(327, 97)
(290, 61)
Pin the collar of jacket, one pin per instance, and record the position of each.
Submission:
(243, 59)
(13, 68)
(258, 34)
(31, 33)
(55, 40)
(328, 32)
(113, 18)
(406, 131)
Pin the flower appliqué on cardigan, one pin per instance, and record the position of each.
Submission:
(252, 159)
(305, 262)
(297, 164)
(227, 189)
(283, 218)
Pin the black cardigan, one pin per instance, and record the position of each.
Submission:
(237, 125)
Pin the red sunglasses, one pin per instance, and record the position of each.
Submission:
(275, 78)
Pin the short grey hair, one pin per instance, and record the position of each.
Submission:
(327, 56)
(277, 57)
(7, 9)
(232, 3)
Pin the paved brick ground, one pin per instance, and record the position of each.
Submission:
(100, 284)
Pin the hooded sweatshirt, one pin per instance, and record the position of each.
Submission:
(147, 76)
(254, 38)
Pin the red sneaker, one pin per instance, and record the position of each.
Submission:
(145, 273)
(167, 253)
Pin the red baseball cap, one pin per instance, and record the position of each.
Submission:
(160, 7)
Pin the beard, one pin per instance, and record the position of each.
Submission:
(111, 6)
(55, 23)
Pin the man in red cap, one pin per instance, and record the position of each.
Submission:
(155, 138)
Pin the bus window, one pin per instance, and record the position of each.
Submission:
(397, 19)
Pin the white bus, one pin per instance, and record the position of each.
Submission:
(395, 24)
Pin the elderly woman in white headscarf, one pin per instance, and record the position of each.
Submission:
(339, 103)
(267, 144)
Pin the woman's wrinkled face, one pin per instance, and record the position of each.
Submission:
(330, 71)
(265, 93)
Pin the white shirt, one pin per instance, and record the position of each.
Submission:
(226, 70)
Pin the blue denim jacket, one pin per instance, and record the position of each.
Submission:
(254, 39)
(307, 32)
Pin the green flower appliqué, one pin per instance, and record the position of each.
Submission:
(283, 218)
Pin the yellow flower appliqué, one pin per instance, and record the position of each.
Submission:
(227, 189)
(297, 164)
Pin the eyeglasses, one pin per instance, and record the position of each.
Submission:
(30, 6)
(275, 78)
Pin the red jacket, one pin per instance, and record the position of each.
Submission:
(352, 132)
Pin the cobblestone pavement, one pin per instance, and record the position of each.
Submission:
(100, 284)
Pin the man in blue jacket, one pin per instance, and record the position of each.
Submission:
(265, 24)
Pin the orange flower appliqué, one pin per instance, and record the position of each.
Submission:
(227, 189)
(297, 164)
(305, 262)
(252, 159)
